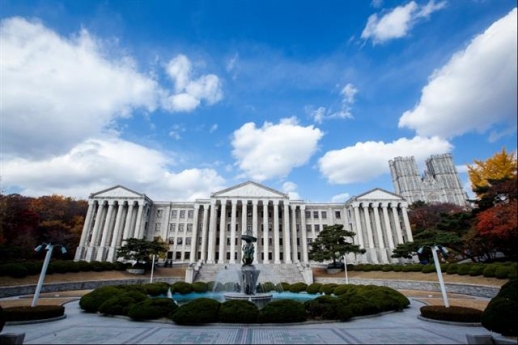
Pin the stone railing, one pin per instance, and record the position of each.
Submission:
(486, 291)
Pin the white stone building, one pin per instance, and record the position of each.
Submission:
(440, 182)
(209, 229)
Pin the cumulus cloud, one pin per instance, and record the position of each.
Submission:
(341, 197)
(291, 189)
(57, 92)
(321, 114)
(367, 160)
(398, 22)
(274, 149)
(475, 90)
(190, 92)
(97, 164)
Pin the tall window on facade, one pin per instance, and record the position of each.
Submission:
(158, 226)
(189, 227)
(174, 214)
(315, 214)
(182, 214)
(171, 240)
(180, 227)
(159, 213)
(190, 214)
(324, 215)
(308, 214)
(188, 241)
(308, 227)
(172, 227)
(337, 215)
(317, 227)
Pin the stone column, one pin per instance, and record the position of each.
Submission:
(276, 256)
(359, 230)
(286, 233)
(303, 229)
(222, 231)
(127, 224)
(194, 239)
(254, 229)
(95, 232)
(244, 214)
(266, 235)
(106, 231)
(388, 226)
(381, 243)
(398, 226)
(294, 248)
(371, 250)
(138, 226)
(86, 230)
(204, 227)
(112, 252)
(212, 232)
(408, 229)
(233, 232)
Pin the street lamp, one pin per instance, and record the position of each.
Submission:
(345, 267)
(48, 247)
(443, 250)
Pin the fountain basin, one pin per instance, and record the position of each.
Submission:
(260, 299)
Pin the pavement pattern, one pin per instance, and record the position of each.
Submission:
(390, 328)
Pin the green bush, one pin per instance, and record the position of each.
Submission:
(14, 270)
(97, 266)
(93, 300)
(313, 288)
(39, 312)
(342, 289)
(359, 305)
(298, 287)
(453, 313)
(198, 311)
(60, 267)
(282, 311)
(132, 288)
(430, 268)
(117, 305)
(328, 288)
(152, 309)
(33, 267)
(489, 271)
(84, 266)
(156, 289)
(200, 287)
(358, 267)
(323, 308)
(283, 286)
(501, 314)
(452, 268)
(266, 287)
(181, 287)
(463, 269)
(476, 270)
(387, 268)
(237, 311)
(502, 272)
(398, 268)
(406, 268)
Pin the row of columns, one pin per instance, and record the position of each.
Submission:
(107, 224)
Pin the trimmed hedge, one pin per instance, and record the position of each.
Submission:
(323, 308)
(93, 300)
(156, 289)
(152, 309)
(501, 314)
(198, 311)
(298, 287)
(282, 311)
(181, 287)
(313, 288)
(39, 312)
(238, 311)
(200, 287)
(118, 305)
(453, 313)
(328, 288)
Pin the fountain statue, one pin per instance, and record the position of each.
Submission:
(248, 276)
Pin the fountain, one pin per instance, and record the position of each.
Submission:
(248, 276)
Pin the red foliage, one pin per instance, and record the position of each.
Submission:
(500, 224)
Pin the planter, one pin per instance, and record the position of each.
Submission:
(135, 270)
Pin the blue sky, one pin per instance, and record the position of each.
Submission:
(178, 99)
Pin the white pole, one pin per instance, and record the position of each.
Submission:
(345, 266)
(152, 269)
(42, 275)
(439, 275)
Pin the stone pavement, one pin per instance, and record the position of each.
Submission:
(391, 328)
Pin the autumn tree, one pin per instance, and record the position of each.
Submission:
(423, 216)
(332, 244)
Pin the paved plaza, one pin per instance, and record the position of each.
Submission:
(391, 328)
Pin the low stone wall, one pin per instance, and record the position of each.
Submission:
(487, 291)
(20, 290)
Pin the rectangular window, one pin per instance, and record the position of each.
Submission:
(308, 227)
(174, 213)
(308, 214)
(317, 227)
(182, 214)
(187, 255)
(280, 241)
(180, 227)
(188, 241)
(298, 241)
(338, 215)
(262, 241)
(171, 240)
(178, 255)
(190, 214)
(228, 241)
(298, 227)
(158, 226)
(324, 215)
(248, 228)
(179, 241)
(172, 227)
(315, 214)
(310, 240)
(159, 213)
(270, 241)
(189, 227)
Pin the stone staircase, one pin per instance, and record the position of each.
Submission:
(274, 273)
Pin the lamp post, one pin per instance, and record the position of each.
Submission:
(345, 267)
(49, 248)
(443, 250)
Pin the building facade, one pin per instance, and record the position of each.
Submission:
(210, 229)
(440, 182)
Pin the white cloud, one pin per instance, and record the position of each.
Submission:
(97, 164)
(321, 114)
(365, 161)
(475, 90)
(341, 197)
(190, 92)
(275, 149)
(398, 22)
(291, 189)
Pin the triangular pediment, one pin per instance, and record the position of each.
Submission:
(378, 194)
(117, 192)
(250, 189)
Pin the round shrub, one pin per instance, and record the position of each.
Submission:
(489, 271)
(39, 312)
(509, 290)
(313, 288)
(359, 305)
(298, 287)
(132, 288)
(238, 311)
(282, 311)
(398, 268)
(84, 266)
(476, 270)
(14, 270)
(181, 287)
(323, 308)
(33, 267)
(60, 267)
(453, 313)
(328, 288)
(152, 309)
(198, 311)
(156, 289)
(200, 287)
(428, 268)
(342, 289)
(118, 305)
(501, 316)
(266, 287)
(502, 272)
(387, 268)
(283, 286)
(406, 268)
(463, 269)
(93, 300)
(452, 269)
(97, 266)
